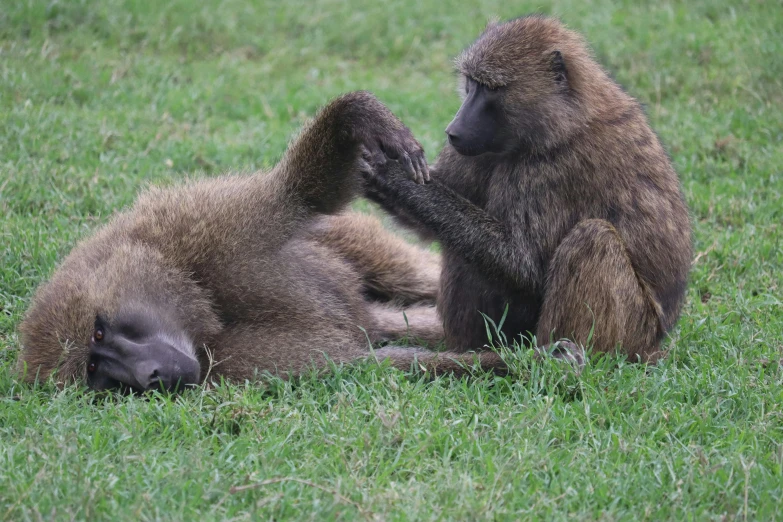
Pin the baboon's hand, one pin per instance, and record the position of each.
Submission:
(379, 131)
(370, 165)
(379, 171)
(391, 139)
(400, 145)
(382, 177)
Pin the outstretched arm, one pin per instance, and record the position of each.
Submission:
(319, 170)
(461, 226)
(373, 192)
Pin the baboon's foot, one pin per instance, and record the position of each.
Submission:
(566, 351)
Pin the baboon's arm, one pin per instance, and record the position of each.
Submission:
(372, 191)
(461, 226)
(319, 171)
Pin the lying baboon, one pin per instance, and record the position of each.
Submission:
(243, 274)
(553, 197)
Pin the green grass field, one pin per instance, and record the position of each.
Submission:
(100, 98)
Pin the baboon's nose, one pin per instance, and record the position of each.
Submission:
(454, 139)
(159, 366)
(150, 376)
(456, 133)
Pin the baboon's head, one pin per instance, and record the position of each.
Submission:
(140, 349)
(523, 84)
(128, 323)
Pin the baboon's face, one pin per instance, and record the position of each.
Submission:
(136, 352)
(518, 95)
(480, 124)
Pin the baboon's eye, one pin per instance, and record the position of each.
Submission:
(98, 335)
(91, 367)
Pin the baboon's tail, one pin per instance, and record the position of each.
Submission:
(407, 358)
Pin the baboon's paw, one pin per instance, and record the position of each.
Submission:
(566, 351)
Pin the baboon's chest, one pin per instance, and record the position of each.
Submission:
(536, 208)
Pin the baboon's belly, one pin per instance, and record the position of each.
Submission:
(317, 279)
(467, 294)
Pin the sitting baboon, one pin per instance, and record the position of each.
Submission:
(553, 197)
(243, 274)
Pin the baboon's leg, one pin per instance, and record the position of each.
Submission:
(591, 285)
(391, 268)
(285, 347)
(320, 170)
(415, 323)
(245, 351)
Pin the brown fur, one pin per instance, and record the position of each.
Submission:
(580, 224)
(248, 269)
(409, 276)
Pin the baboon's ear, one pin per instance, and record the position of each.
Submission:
(559, 67)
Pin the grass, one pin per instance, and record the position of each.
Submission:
(99, 98)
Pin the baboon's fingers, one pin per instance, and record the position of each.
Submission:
(424, 169)
(365, 164)
(365, 169)
(408, 152)
(420, 166)
(417, 166)
(407, 164)
(374, 156)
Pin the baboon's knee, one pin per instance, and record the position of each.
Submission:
(593, 293)
(590, 242)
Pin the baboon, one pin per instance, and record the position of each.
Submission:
(553, 197)
(243, 274)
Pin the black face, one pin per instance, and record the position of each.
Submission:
(135, 354)
(479, 125)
